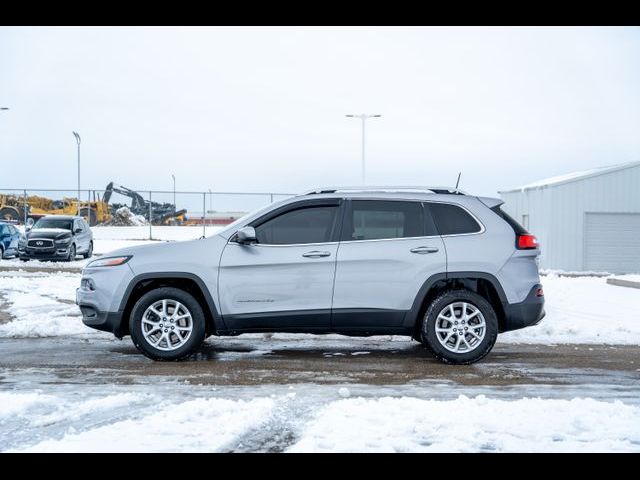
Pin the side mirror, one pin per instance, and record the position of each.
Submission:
(246, 235)
(77, 230)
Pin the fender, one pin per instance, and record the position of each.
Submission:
(218, 322)
(411, 316)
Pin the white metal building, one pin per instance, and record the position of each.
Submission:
(585, 221)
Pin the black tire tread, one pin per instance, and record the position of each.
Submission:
(197, 314)
(439, 352)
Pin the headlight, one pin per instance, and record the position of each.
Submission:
(63, 241)
(109, 262)
(22, 242)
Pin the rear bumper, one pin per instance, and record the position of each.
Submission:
(524, 314)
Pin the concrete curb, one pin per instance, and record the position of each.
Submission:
(623, 283)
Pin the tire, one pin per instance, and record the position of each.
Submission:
(89, 214)
(160, 352)
(471, 348)
(9, 213)
(1, 252)
(72, 253)
(89, 253)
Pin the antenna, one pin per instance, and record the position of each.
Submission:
(458, 181)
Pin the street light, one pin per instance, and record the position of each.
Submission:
(75, 134)
(174, 196)
(363, 117)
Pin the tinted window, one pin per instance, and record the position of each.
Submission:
(4, 230)
(517, 228)
(373, 219)
(305, 225)
(452, 220)
(52, 222)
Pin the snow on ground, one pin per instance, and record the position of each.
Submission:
(584, 310)
(472, 424)
(199, 425)
(41, 305)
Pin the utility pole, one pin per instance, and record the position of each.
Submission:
(174, 197)
(75, 134)
(363, 117)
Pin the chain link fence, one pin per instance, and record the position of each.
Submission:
(147, 210)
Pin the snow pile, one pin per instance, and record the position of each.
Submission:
(125, 217)
(471, 425)
(201, 425)
(16, 403)
(42, 306)
(584, 310)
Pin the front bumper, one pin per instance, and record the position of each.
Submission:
(104, 321)
(524, 314)
(56, 253)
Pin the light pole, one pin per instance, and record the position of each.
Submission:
(174, 196)
(75, 134)
(363, 117)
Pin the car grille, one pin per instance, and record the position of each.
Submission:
(40, 243)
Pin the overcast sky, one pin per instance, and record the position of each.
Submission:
(263, 108)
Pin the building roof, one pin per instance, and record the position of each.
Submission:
(572, 177)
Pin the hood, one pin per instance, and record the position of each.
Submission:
(180, 256)
(47, 233)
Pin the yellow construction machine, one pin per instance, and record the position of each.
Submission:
(28, 209)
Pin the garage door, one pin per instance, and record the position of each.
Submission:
(612, 242)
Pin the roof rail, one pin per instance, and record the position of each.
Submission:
(387, 189)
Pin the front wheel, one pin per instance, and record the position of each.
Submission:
(167, 324)
(89, 251)
(72, 253)
(460, 327)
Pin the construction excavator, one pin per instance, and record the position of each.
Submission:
(161, 213)
(29, 208)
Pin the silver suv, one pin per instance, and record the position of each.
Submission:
(449, 269)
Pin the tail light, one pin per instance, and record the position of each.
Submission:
(527, 241)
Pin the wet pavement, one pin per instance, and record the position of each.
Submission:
(255, 360)
(307, 371)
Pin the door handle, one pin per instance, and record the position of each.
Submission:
(424, 250)
(316, 254)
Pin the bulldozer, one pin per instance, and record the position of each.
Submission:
(17, 208)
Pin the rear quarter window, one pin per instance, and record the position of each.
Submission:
(452, 219)
(517, 228)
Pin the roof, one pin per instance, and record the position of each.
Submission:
(385, 189)
(572, 177)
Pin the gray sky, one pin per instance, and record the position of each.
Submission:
(263, 108)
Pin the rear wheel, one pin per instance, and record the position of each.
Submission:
(167, 324)
(9, 213)
(1, 252)
(459, 327)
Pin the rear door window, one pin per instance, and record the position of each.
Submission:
(452, 219)
(379, 219)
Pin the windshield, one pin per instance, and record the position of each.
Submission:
(46, 222)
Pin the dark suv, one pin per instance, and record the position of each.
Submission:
(57, 237)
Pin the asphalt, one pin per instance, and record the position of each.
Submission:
(256, 360)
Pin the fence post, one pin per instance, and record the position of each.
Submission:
(150, 214)
(26, 208)
(204, 212)
(271, 195)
